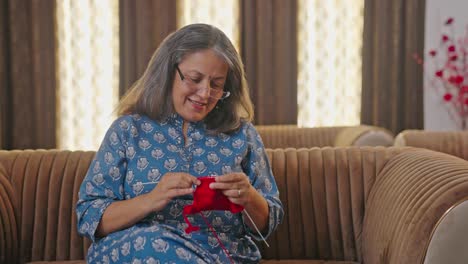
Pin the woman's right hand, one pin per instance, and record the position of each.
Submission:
(170, 186)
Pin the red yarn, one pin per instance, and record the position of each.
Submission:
(206, 199)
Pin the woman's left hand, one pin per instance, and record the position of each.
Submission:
(235, 186)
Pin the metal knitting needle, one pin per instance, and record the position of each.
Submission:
(250, 218)
(256, 228)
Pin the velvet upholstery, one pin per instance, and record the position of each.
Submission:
(356, 205)
(45, 187)
(416, 189)
(292, 136)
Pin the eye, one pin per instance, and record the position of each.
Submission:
(195, 80)
(216, 86)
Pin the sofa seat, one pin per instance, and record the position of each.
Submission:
(59, 262)
(284, 261)
(344, 205)
(295, 261)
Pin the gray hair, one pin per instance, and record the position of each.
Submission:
(151, 95)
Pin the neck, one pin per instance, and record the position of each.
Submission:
(185, 130)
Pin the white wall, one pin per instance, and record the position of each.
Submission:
(437, 11)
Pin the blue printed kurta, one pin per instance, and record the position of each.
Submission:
(135, 154)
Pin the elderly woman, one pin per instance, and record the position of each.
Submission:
(187, 117)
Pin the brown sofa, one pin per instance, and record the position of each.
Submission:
(342, 205)
(291, 136)
(451, 142)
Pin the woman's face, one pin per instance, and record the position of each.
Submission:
(203, 73)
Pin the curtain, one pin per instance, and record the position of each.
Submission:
(329, 62)
(144, 24)
(213, 13)
(269, 52)
(392, 91)
(87, 71)
(27, 74)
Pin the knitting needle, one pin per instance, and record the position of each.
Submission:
(144, 183)
(256, 228)
(250, 218)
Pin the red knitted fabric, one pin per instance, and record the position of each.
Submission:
(205, 199)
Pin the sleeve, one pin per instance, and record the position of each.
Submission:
(257, 167)
(103, 183)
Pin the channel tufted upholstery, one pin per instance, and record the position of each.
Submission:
(323, 193)
(292, 136)
(342, 205)
(44, 185)
(415, 189)
(8, 220)
(451, 142)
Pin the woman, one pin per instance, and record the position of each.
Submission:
(188, 116)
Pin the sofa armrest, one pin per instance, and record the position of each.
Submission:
(451, 142)
(9, 242)
(364, 136)
(409, 198)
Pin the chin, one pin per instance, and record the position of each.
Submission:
(192, 118)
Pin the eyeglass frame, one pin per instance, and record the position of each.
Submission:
(224, 95)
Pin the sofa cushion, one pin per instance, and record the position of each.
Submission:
(295, 261)
(288, 261)
(59, 262)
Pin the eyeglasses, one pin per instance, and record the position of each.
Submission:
(215, 93)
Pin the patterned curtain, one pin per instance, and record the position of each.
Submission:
(87, 71)
(329, 62)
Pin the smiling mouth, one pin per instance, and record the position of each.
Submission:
(196, 102)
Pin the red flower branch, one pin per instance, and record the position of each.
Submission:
(450, 78)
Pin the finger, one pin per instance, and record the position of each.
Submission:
(223, 186)
(172, 193)
(189, 179)
(237, 193)
(182, 180)
(232, 193)
(232, 177)
(236, 200)
(195, 180)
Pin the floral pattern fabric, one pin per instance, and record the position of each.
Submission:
(135, 154)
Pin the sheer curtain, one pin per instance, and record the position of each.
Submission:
(223, 14)
(87, 71)
(88, 61)
(329, 38)
(329, 62)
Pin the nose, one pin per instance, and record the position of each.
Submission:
(204, 89)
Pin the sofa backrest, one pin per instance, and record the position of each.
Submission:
(45, 187)
(451, 142)
(284, 136)
(292, 136)
(323, 191)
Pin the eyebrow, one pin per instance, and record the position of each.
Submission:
(202, 74)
